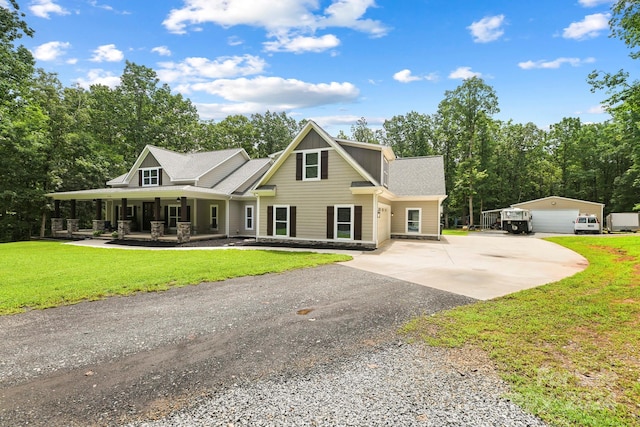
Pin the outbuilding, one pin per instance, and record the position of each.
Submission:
(556, 214)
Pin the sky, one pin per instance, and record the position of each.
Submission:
(335, 61)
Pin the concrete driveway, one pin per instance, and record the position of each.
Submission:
(481, 266)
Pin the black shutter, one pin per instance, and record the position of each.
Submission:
(117, 215)
(269, 220)
(357, 223)
(188, 213)
(324, 164)
(166, 216)
(292, 221)
(298, 166)
(160, 176)
(329, 222)
(139, 178)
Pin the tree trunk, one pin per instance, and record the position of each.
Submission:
(43, 224)
(470, 211)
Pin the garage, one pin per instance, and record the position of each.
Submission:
(553, 221)
(384, 222)
(556, 214)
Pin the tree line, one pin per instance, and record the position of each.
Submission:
(57, 138)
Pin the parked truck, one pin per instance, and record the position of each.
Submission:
(623, 221)
(516, 220)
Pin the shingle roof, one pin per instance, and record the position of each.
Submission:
(190, 166)
(238, 178)
(417, 176)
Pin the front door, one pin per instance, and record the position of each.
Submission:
(147, 215)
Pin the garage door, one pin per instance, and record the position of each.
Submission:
(554, 221)
(384, 222)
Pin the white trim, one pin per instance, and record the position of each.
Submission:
(211, 205)
(158, 170)
(335, 221)
(275, 215)
(257, 218)
(226, 217)
(246, 216)
(375, 219)
(318, 165)
(406, 221)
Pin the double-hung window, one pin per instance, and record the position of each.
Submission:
(214, 217)
(344, 222)
(150, 177)
(413, 220)
(281, 220)
(248, 217)
(311, 165)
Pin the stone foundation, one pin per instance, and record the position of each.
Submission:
(98, 225)
(157, 230)
(124, 228)
(73, 226)
(184, 232)
(57, 226)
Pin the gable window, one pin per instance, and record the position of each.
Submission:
(150, 177)
(248, 217)
(214, 217)
(344, 222)
(413, 220)
(385, 172)
(311, 166)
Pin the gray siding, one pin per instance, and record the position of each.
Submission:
(213, 177)
(149, 162)
(312, 198)
(312, 141)
(237, 219)
(370, 160)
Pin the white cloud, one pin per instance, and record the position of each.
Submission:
(487, 29)
(234, 41)
(99, 77)
(594, 3)
(341, 120)
(4, 3)
(405, 76)
(43, 8)
(598, 109)
(50, 51)
(279, 93)
(108, 53)
(199, 69)
(590, 27)
(72, 61)
(302, 44)
(161, 50)
(464, 73)
(292, 23)
(556, 63)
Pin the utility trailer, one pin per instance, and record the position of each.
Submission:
(516, 220)
(623, 221)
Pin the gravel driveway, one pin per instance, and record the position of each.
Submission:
(309, 347)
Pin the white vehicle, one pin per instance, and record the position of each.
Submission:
(586, 224)
(516, 220)
(623, 221)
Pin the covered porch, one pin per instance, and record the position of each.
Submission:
(164, 214)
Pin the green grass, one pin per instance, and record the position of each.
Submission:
(454, 232)
(37, 275)
(571, 349)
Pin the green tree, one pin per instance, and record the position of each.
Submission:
(361, 132)
(273, 132)
(410, 135)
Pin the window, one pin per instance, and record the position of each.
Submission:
(385, 172)
(344, 222)
(174, 215)
(413, 220)
(214, 217)
(248, 217)
(311, 166)
(281, 220)
(150, 177)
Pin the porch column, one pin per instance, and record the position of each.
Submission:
(73, 222)
(73, 208)
(124, 224)
(98, 208)
(157, 226)
(183, 209)
(57, 223)
(56, 208)
(98, 223)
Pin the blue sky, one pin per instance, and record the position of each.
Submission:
(335, 61)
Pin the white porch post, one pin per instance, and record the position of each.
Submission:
(226, 217)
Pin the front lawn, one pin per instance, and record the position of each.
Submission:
(571, 349)
(36, 275)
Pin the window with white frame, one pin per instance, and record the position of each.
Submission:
(414, 216)
(344, 222)
(311, 165)
(174, 212)
(150, 177)
(214, 217)
(248, 217)
(281, 220)
(385, 172)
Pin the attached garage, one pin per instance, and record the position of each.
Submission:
(556, 214)
(384, 222)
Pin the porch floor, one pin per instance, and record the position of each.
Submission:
(139, 236)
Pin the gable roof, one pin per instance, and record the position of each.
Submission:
(332, 142)
(180, 167)
(556, 198)
(417, 176)
(238, 178)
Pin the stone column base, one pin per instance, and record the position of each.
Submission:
(157, 230)
(57, 226)
(184, 232)
(124, 228)
(98, 225)
(73, 226)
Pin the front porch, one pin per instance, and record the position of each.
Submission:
(137, 236)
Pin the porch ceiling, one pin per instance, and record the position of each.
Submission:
(172, 191)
